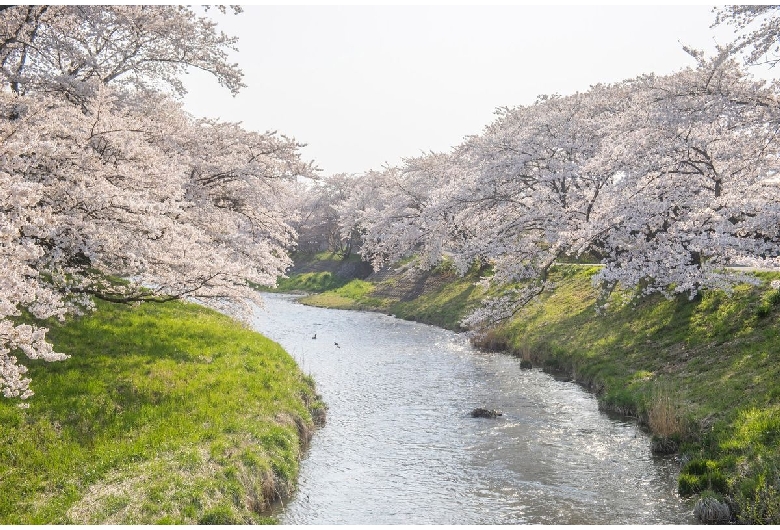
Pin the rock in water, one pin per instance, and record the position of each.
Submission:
(485, 413)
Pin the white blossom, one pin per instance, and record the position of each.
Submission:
(665, 180)
(105, 177)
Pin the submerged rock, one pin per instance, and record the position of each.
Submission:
(485, 413)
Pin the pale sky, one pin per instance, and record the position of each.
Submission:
(368, 85)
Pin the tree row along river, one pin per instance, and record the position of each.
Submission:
(400, 446)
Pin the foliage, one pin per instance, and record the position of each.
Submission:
(758, 31)
(666, 181)
(664, 416)
(760, 506)
(700, 475)
(103, 174)
(165, 413)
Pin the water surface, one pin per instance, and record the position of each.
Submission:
(400, 447)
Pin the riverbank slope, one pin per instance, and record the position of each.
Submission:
(703, 374)
(165, 413)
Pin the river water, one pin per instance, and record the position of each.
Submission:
(400, 447)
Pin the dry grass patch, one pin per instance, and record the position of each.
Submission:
(664, 415)
(666, 419)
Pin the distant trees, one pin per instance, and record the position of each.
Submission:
(397, 210)
(319, 228)
(103, 175)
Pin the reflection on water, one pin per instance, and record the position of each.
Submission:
(400, 447)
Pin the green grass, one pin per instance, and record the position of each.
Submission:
(313, 282)
(444, 307)
(356, 294)
(714, 361)
(166, 413)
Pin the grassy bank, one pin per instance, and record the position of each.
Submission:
(441, 298)
(323, 271)
(167, 413)
(703, 374)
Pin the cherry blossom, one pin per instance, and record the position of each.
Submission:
(758, 31)
(110, 189)
(665, 180)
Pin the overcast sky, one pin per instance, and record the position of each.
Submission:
(369, 85)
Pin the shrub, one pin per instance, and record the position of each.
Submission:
(688, 484)
(493, 340)
(219, 515)
(768, 301)
(762, 506)
(763, 310)
(773, 297)
(664, 446)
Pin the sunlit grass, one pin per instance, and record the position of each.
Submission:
(444, 307)
(314, 282)
(355, 294)
(164, 413)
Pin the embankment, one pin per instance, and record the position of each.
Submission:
(703, 375)
(168, 413)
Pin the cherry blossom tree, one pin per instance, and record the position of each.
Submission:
(319, 227)
(398, 210)
(696, 194)
(666, 180)
(21, 221)
(357, 211)
(72, 50)
(106, 177)
(757, 30)
(533, 188)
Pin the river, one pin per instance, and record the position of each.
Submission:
(400, 447)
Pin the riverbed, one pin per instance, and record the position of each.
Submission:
(400, 447)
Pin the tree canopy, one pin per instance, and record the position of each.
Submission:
(110, 189)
